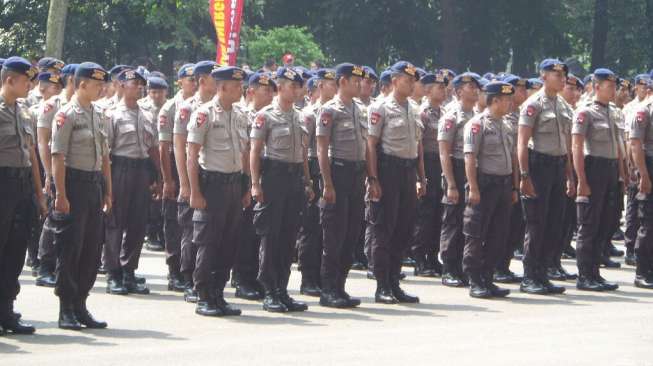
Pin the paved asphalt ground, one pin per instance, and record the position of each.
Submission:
(446, 328)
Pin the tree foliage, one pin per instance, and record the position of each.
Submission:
(274, 43)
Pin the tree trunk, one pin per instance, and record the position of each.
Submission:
(56, 28)
(599, 33)
(450, 36)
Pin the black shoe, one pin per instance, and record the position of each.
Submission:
(568, 276)
(115, 286)
(614, 252)
(332, 299)
(422, 270)
(631, 258)
(569, 252)
(46, 280)
(452, 279)
(551, 288)
(358, 266)
(478, 289)
(588, 284)
(644, 282)
(67, 318)
(16, 326)
(248, 292)
(177, 283)
(402, 296)
(132, 286)
(273, 304)
(309, 287)
(532, 286)
(101, 269)
(402, 276)
(408, 262)
(554, 274)
(383, 295)
(206, 304)
(497, 291)
(154, 246)
(190, 295)
(140, 279)
(518, 254)
(352, 302)
(506, 276)
(607, 285)
(370, 275)
(618, 235)
(224, 306)
(609, 263)
(86, 318)
(291, 304)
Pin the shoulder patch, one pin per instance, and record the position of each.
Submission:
(326, 117)
(259, 122)
(641, 116)
(530, 111)
(424, 116)
(184, 114)
(201, 118)
(448, 123)
(60, 119)
(581, 117)
(476, 127)
(375, 117)
(47, 107)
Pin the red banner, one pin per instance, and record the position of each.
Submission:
(227, 17)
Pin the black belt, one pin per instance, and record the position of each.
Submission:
(291, 168)
(355, 165)
(15, 173)
(431, 156)
(538, 157)
(213, 177)
(83, 176)
(494, 179)
(600, 161)
(393, 160)
(458, 163)
(129, 162)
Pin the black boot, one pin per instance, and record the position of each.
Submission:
(554, 274)
(631, 258)
(400, 294)
(176, 281)
(46, 277)
(477, 287)
(206, 304)
(643, 275)
(421, 268)
(383, 293)
(191, 295)
(607, 262)
(331, 297)
(133, 287)
(569, 252)
(506, 276)
(246, 289)
(434, 264)
(613, 251)
(272, 302)
(67, 318)
(605, 284)
(587, 281)
(568, 276)
(291, 304)
(451, 276)
(352, 302)
(495, 290)
(548, 285)
(310, 286)
(115, 283)
(85, 317)
(10, 322)
(531, 284)
(223, 305)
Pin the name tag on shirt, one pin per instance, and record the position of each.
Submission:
(126, 128)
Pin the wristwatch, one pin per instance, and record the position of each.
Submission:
(371, 179)
(524, 175)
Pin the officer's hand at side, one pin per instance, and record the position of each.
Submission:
(197, 201)
(257, 193)
(452, 194)
(375, 191)
(108, 204)
(169, 190)
(43, 207)
(474, 196)
(515, 198)
(571, 189)
(184, 193)
(309, 193)
(246, 201)
(645, 184)
(526, 188)
(583, 189)
(46, 186)
(421, 189)
(62, 205)
(329, 194)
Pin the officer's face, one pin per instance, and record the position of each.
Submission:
(158, 95)
(520, 95)
(469, 92)
(554, 80)
(503, 104)
(92, 89)
(208, 84)
(606, 90)
(231, 90)
(569, 94)
(367, 88)
(403, 84)
(263, 94)
(351, 87)
(640, 91)
(19, 84)
(288, 90)
(437, 92)
(132, 89)
(188, 85)
(49, 89)
(327, 88)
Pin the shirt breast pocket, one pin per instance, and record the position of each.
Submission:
(127, 133)
(219, 138)
(82, 136)
(492, 144)
(281, 138)
(397, 129)
(601, 132)
(547, 123)
(345, 132)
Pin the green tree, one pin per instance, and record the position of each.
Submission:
(262, 45)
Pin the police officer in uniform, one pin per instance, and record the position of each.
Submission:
(82, 177)
(543, 152)
(260, 92)
(426, 235)
(309, 241)
(206, 90)
(217, 164)
(171, 227)
(47, 64)
(395, 181)
(341, 145)
(598, 165)
(19, 180)
(641, 147)
(490, 167)
(450, 146)
(133, 144)
(280, 184)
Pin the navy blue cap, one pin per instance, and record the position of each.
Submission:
(490, 76)
(131, 74)
(311, 84)
(91, 70)
(386, 77)
(114, 71)
(404, 67)
(204, 68)
(156, 82)
(50, 63)
(483, 82)
(289, 73)
(605, 74)
(69, 70)
(50, 78)
(553, 64)
(588, 78)
(430, 78)
(228, 73)
(535, 83)
(450, 73)
(304, 72)
(262, 78)
(248, 74)
(467, 77)
(370, 73)
(421, 72)
(21, 66)
(158, 74)
(498, 88)
(185, 70)
(325, 74)
(349, 69)
(575, 81)
(515, 80)
(641, 79)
